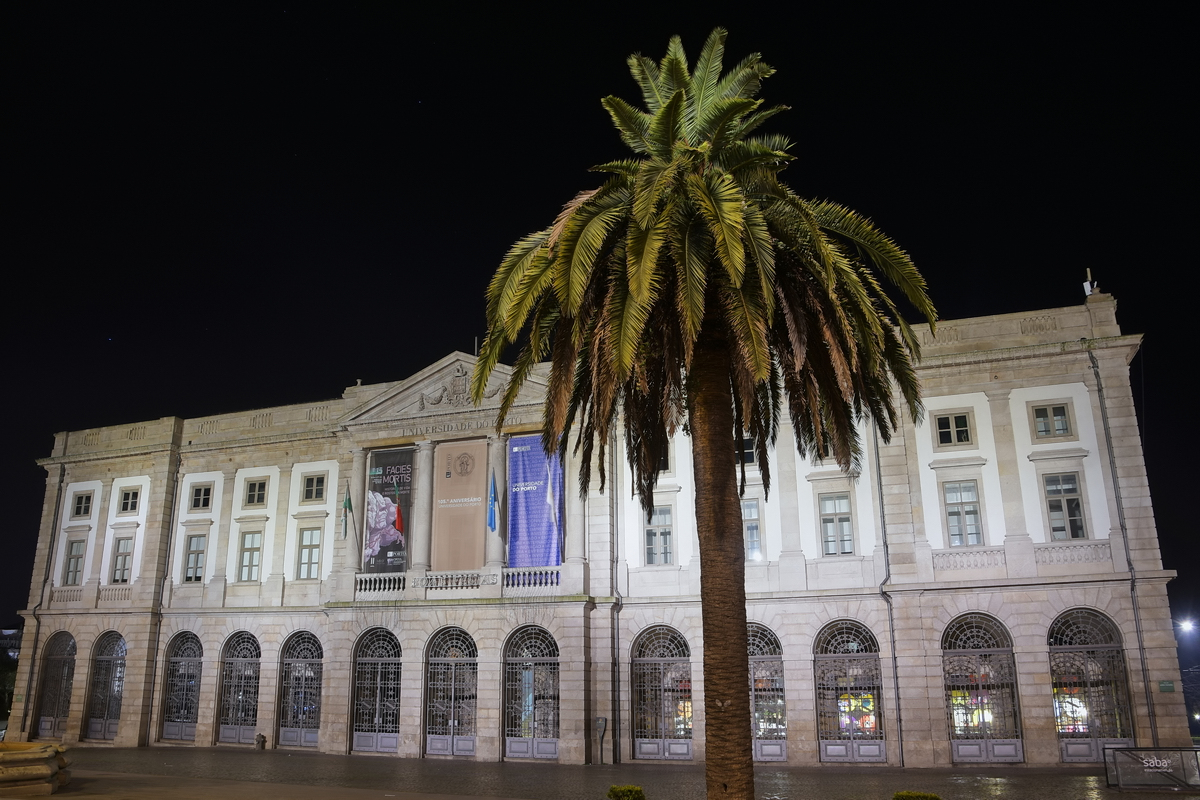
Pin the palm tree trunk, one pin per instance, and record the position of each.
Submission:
(729, 759)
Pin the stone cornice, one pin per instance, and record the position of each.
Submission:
(1033, 351)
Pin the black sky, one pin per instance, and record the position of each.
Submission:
(214, 207)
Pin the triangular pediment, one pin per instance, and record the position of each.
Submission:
(444, 387)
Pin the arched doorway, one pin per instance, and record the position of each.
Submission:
(108, 685)
(662, 695)
(181, 700)
(239, 689)
(1091, 691)
(450, 691)
(300, 690)
(980, 679)
(531, 694)
(58, 675)
(766, 693)
(377, 692)
(849, 689)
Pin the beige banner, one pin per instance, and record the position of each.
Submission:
(459, 505)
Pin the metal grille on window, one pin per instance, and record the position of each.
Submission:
(767, 700)
(58, 674)
(849, 689)
(1088, 679)
(300, 690)
(239, 689)
(662, 695)
(531, 694)
(980, 680)
(377, 661)
(185, 657)
(450, 691)
(108, 684)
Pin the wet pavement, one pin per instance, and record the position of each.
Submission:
(237, 774)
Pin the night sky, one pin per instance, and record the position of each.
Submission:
(219, 207)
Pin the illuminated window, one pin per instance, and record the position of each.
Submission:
(194, 571)
(751, 532)
(1052, 421)
(73, 570)
(963, 522)
(250, 556)
(658, 537)
(310, 553)
(837, 529)
(1065, 503)
(122, 560)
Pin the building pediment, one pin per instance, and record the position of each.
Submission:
(444, 388)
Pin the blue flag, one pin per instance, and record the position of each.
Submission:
(492, 504)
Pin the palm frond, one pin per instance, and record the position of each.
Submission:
(633, 125)
(718, 198)
(705, 78)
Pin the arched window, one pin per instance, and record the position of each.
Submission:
(980, 678)
(185, 657)
(108, 684)
(239, 689)
(450, 688)
(531, 694)
(1091, 691)
(300, 690)
(377, 692)
(662, 694)
(58, 674)
(849, 688)
(767, 700)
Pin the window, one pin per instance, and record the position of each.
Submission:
(202, 497)
(1052, 421)
(73, 569)
(82, 507)
(256, 492)
(837, 532)
(195, 558)
(953, 430)
(122, 560)
(963, 520)
(658, 536)
(314, 489)
(310, 553)
(129, 501)
(1065, 503)
(251, 556)
(750, 530)
(745, 450)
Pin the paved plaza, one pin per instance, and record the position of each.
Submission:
(236, 774)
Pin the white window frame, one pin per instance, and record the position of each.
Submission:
(824, 516)
(73, 562)
(947, 504)
(658, 553)
(1031, 409)
(313, 486)
(754, 548)
(122, 562)
(250, 497)
(952, 415)
(249, 563)
(1047, 506)
(194, 558)
(201, 492)
(82, 499)
(308, 553)
(129, 497)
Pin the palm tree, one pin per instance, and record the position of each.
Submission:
(693, 289)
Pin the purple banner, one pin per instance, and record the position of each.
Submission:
(535, 504)
(389, 492)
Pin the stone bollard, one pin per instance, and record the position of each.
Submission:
(260, 742)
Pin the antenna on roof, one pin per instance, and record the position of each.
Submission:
(1089, 285)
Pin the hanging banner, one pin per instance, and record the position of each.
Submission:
(535, 504)
(388, 511)
(459, 505)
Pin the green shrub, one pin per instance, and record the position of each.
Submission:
(626, 793)
(915, 796)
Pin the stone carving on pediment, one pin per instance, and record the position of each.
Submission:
(454, 393)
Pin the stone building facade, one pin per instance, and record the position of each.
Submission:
(986, 589)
